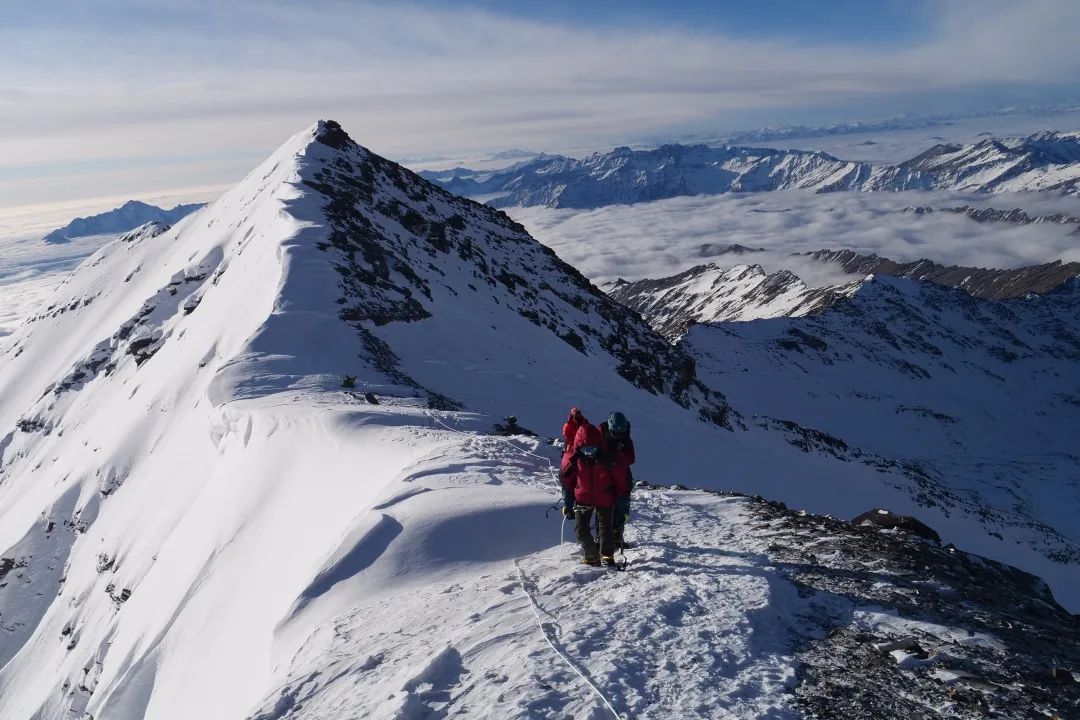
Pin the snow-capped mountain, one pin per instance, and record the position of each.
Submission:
(1043, 161)
(186, 388)
(711, 294)
(247, 471)
(128, 216)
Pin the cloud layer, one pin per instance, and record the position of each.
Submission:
(169, 93)
(665, 237)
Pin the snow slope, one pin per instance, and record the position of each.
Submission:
(198, 520)
(980, 398)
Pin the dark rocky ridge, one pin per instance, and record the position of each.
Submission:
(980, 282)
(1015, 216)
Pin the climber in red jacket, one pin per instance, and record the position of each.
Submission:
(570, 428)
(569, 433)
(588, 487)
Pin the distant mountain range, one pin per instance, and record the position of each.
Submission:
(1043, 161)
(625, 176)
(128, 216)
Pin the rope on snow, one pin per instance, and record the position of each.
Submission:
(551, 643)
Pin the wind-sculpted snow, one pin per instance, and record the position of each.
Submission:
(405, 249)
(731, 607)
(1043, 161)
(200, 518)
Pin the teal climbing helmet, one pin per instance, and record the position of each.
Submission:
(617, 423)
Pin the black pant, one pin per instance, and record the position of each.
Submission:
(583, 529)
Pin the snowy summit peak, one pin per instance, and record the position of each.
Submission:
(330, 132)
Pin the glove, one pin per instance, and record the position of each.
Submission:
(567, 511)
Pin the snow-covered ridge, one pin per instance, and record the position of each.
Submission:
(185, 390)
(130, 215)
(1043, 161)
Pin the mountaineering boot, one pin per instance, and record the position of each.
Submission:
(609, 561)
(594, 562)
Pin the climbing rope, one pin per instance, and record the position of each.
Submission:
(551, 643)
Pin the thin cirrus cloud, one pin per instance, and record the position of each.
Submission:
(224, 83)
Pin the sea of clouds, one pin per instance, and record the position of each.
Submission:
(667, 236)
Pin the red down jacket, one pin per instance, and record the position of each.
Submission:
(589, 478)
(570, 428)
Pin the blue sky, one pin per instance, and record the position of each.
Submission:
(125, 97)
